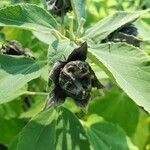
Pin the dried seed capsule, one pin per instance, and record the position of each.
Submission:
(129, 29)
(73, 78)
(15, 48)
(59, 7)
(126, 34)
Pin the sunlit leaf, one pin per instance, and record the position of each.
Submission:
(109, 24)
(27, 16)
(59, 50)
(129, 66)
(142, 134)
(143, 30)
(21, 35)
(15, 72)
(79, 8)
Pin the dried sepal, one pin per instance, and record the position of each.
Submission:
(56, 97)
(79, 53)
(55, 71)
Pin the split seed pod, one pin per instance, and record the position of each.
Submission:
(59, 7)
(73, 78)
(15, 48)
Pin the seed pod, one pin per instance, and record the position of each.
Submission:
(126, 34)
(73, 78)
(14, 48)
(129, 29)
(59, 7)
(75, 81)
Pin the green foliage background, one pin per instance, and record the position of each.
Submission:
(117, 119)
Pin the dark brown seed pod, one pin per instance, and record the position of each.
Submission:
(126, 34)
(13, 47)
(59, 7)
(73, 78)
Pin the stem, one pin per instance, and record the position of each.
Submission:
(35, 93)
(62, 24)
(80, 27)
(58, 35)
(71, 27)
(55, 33)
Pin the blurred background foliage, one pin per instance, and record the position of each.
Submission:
(113, 105)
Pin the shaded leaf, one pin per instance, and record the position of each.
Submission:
(70, 133)
(11, 110)
(40, 132)
(9, 129)
(13, 144)
(104, 135)
(116, 107)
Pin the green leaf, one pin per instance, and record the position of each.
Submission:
(27, 16)
(70, 133)
(21, 35)
(104, 135)
(46, 38)
(53, 129)
(129, 66)
(116, 107)
(9, 129)
(13, 144)
(11, 110)
(79, 8)
(40, 132)
(35, 108)
(15, 72)
(59, 50)
(142, 134)
(109, 24)
(143, 30)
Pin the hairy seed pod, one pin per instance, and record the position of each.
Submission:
(73, 78)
